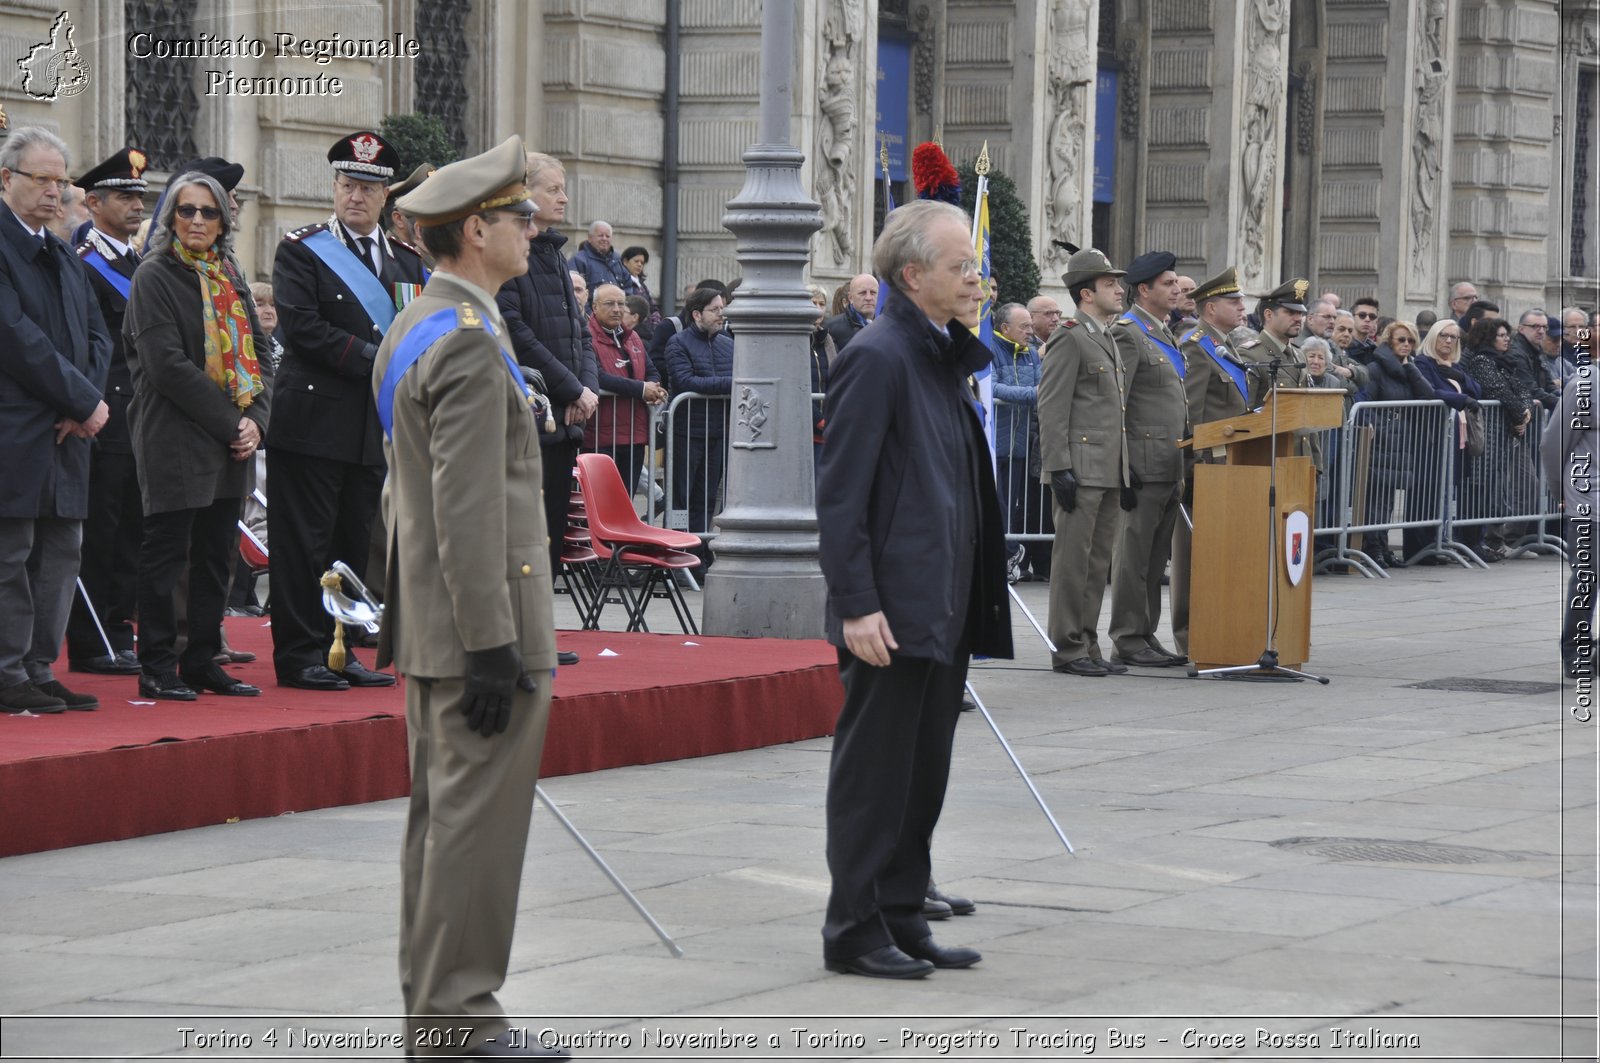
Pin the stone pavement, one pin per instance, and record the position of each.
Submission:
(1288, 858)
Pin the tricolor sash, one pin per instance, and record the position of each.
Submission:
(423, 335)
(369, 290)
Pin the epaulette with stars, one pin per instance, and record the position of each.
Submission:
(296, 235)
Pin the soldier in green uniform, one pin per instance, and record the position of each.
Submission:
(1084, 459)
(1283, 315)
(1217, 386)
(467, 615)
(1157, 417)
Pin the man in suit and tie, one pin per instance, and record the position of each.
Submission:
(52, 381)
(114, 194)
(467, 614)
(1157, 416)
(1083, 452)
(338, 286)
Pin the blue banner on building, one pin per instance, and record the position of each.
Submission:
(894, 102)
(1105, 136)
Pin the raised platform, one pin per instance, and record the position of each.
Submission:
(135, 768)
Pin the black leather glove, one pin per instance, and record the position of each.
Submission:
(1473, 404)
(493, 677)
(1064, 485)
(1130, 492)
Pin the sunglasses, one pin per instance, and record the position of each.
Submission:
(189, 210)
(1367, 317)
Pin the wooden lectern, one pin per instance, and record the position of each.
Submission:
(1229, 582)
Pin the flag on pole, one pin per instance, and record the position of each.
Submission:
(981, 250)
(888, 208)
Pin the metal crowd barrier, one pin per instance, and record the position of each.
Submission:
(696, 460)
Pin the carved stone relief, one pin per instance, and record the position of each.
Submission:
(1068, 81)
(753, 414)
(838, 118)
(1266, 27)
(923, 60)
(1305, 113)
(1130, 88)
(1427, 141)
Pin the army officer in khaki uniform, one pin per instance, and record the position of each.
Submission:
(467, 592)
(1217, 386)
(1158, 416)
(1084, 460)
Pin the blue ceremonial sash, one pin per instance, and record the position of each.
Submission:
(1174, 355)
(423, 335)
(1235, 373)
(369, 290)
(98, 263)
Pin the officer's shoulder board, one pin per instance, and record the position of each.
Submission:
(294, 236)
(467, 316)
(1071, 322)
(83, 248)
(396, 242)
(1192, 337)
(1248, 345)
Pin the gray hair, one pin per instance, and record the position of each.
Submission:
(161, 230)
(594, 226)
(1315, 307)
(539, 162)
(1565, 310)
(1534, 312)
(905, 239)
(1003, 315)
(1317, 343)
(1460, 286)
(1342, 312)
(30, 136)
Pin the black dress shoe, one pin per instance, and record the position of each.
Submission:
(216, 681)
(25, 697)
(117, 665)
(165, 687)
(74, 701)
(1111, 667)
(566, 657)
(1175, 658)
(941, 957)
(496, 1050)
(1148, 658)
(359, 675)
(313, 677)
(958, 905)
(1081, 666)
(967, 704)
(883, 962)
(933, 908)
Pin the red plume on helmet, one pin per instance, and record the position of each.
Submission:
(933, 176)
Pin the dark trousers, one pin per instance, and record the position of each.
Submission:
(630, 459)
(319, 511)
(697, 465)
(112, 538)
(38, 566)
(203, 542)
(1026, 502)
(558, 459)
(886, 783)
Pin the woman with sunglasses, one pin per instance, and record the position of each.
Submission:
(1498, 481)
(1438, 362)
(1396, 451)
(199, 410)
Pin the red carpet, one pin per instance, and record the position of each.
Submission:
(129, 770)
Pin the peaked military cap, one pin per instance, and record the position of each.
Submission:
(227, 174)
(1290, 295)
(123, 172)
(491, 181)
(1150, 265)
(1086, 265)
(364, 156)
(1224, 285)
(419, 175)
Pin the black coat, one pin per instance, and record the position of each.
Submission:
(549, 333)
(54, 355)
(114, 438)
(323, 405)
(1393, 380)
(182, 422)
(1498, 376)
(843, 328)
(905, 527)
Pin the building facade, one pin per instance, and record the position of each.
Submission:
(1385, 147)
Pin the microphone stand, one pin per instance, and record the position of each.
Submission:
(1267, 666)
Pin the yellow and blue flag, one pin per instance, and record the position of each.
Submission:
(981, 250)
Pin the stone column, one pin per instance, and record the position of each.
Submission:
(1066, 67)
(766, 582)
(1427, 57)
(843, 150)
(1354, 175)
(1262, 66)
(928, 20)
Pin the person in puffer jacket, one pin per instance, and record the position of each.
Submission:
(700, 360)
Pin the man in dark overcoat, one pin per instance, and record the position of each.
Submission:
(338, 286)
(54, 354)
(905, 459)
(114, 194)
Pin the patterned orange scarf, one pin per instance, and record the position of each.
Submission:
(230, 348)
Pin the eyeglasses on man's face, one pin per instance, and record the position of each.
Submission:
(42, 181)
(189, 210)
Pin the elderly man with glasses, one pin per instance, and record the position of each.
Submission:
(1528, 345)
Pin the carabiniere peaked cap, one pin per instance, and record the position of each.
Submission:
(1086, 265)
(491, 181)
